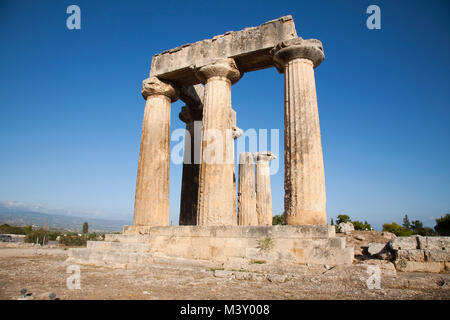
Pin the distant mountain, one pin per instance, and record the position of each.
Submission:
(21, 217)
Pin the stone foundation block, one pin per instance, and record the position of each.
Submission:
(404, 243)
(437, 255)
(275, 245)
(433, 243)
(410, 255)
(416, 266)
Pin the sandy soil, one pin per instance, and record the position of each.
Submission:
(44, 270)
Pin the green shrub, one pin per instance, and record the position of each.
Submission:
(72, 240)
(265, 244)
(361, 226)
(279, 219)
(443, 225)
(257, 261)
(85, 228)
(41, 236)
(417, 227)
(6, 228)
(397, 229)
(342, 218)
(27, 229)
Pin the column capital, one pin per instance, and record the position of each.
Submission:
(236, 132)
(264, 156)
(220, 68)
(153, 85)
(190, 114)
(298, 48)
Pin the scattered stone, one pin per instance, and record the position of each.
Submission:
(378, 251)
(387, 267)
(388, 235)
(277, 278)
(358, 251)
(223, 274)
(244, 275)
(375, 248)
(345, 227)
(24, 295)
(236, 263)
(358, 237)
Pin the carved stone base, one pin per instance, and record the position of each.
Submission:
(271, 245)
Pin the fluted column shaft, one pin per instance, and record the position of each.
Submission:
(263, 188)
(215, 199)
(189, 186)
(247, 215)
(236, 132)
(151, 207)
(305, 199)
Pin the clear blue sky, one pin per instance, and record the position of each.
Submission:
(71, 110)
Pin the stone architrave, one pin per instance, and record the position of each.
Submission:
(263, 188)
(192, 116)
(215, 199)
(305, 200)
(249, 48)
(247, 215)
(151, 207)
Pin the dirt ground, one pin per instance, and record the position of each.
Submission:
(42, 271)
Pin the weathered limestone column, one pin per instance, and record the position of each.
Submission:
(192, 116)
(263, 188)
(247, 215)
(236, 132)
(215, 199)
(304, 180)
(151, 206)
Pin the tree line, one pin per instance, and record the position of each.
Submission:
(43, 235)
(408, 228)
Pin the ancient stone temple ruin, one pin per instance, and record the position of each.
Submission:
(211, 229)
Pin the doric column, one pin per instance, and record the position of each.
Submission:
(247, 215)
(151, 206)
(215, 199)
(263, 188)
(236, 132)
(304, 180)
(192, 116)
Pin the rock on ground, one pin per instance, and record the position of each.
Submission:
(344, 227)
